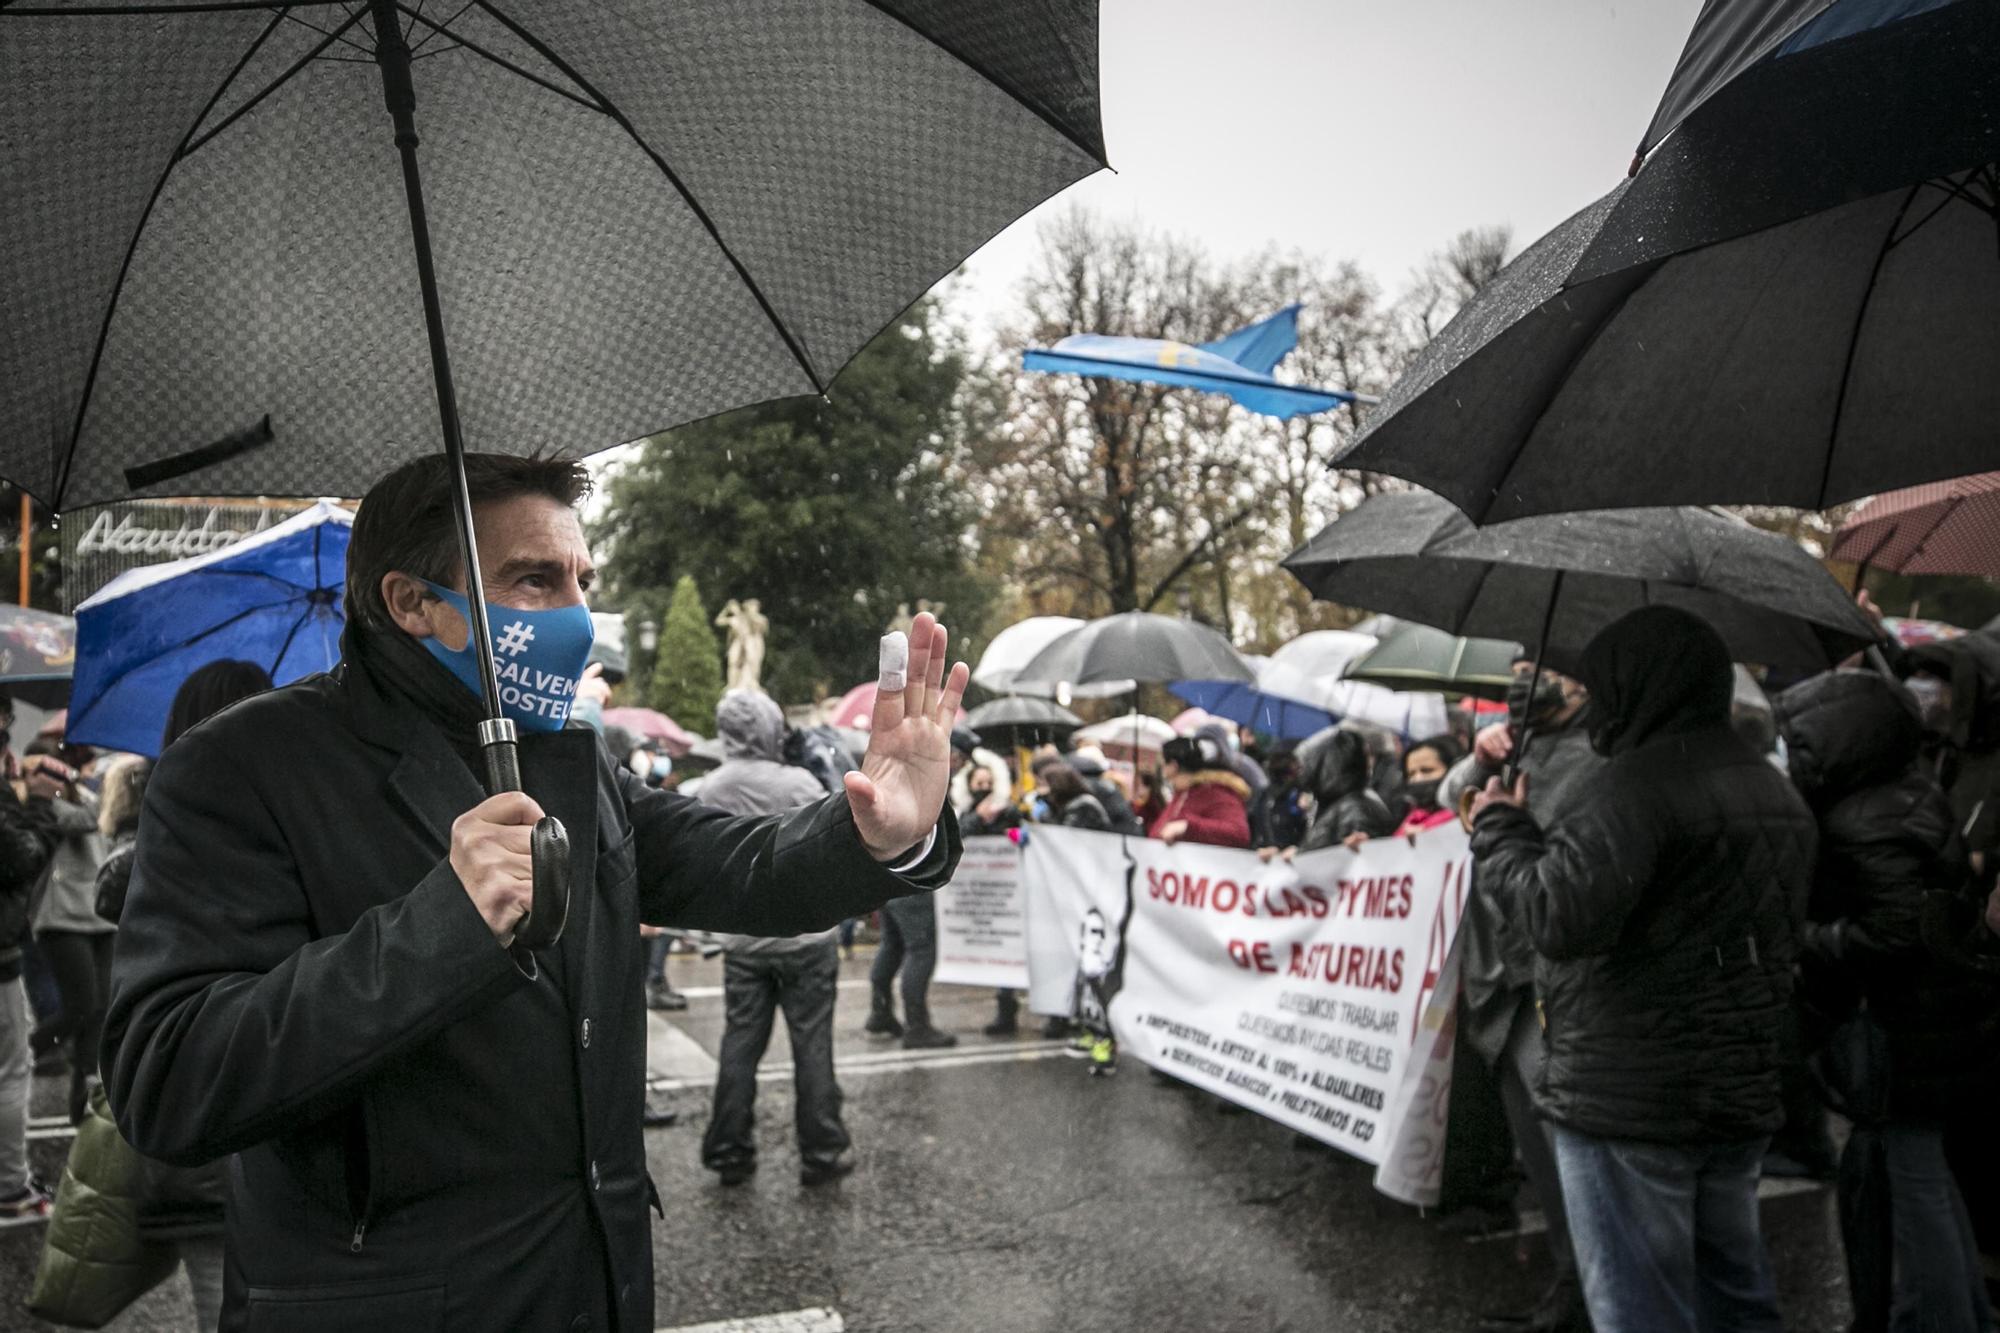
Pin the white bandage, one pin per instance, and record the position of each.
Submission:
(895, 662)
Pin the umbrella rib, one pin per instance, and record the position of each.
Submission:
(189, 642)
(610, 109)
(189, 148)
(1854, 343)
(435, 27)
(1042, 113)
(132, 248)
(129, 11)
(290, 17)
(504, 63)
(290, 635)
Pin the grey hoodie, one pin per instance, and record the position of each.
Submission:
(754, 780)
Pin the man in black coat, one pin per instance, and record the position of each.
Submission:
(313, 970)
(1662, 911)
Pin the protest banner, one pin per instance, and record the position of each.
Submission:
(1295, 990)
(981, 930)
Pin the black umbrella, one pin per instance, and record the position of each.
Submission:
(643, 218)
(1781, 108)
(1136, 645)
(1555, 581)
(1015, 719)
(1844, 354)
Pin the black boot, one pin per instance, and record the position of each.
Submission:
(1006, 1019)
(927, 1038)
(882, 1018)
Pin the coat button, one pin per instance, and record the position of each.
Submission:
(593, 1173)
(586, 1034)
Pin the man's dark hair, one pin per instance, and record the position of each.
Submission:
(405, 521)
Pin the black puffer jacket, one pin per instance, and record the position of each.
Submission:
(26, 840)
(1887, 847)
(1662, 908)
(1335, 770)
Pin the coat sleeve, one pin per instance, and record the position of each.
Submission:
(232, 1019)
(1885, 925)
(1573, 889)
(789, 874)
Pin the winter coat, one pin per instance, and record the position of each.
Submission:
(67, 898)
(1214, 802)
(1496, 960)
(429, 1132)
(1887, 844)
(1277, 816)
(1116, 807)
(1084, 811)
(1661, 906)
(25, 844)
(753, 779)
(1417, 821)
(1241, 764)
(972, 826)
(1335, 769)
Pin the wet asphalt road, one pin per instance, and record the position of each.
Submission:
(1001, 1189)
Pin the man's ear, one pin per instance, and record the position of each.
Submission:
(421, 613)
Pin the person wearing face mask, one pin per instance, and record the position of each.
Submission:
(1347, 810)
(1425, 765)
(1497, 964)
(1661, 906)
(316, 971)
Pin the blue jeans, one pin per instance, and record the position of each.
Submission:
(1912, 1263)
(1666, 1235)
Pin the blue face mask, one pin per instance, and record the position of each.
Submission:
(539, 655)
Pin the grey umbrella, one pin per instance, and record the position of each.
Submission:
(1840, 355)
(1011, 720)
(1412, 656)
(1138, 646)
(216, 276)
(1553, 582)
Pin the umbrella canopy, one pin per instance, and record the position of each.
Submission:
(1137, 646)
(1781, 108)
(1133, 737)
(1556, 581)
(856, 710)
(652, 725)
(1914, 633)
(1237, 365)
(1015, 720)
(1845, 354)
(37, 655)
(1946, 527)
(274, 599)
(1299, 690)
(1014, 647)
(1234, 701)
(1410, 656)
(636, 222)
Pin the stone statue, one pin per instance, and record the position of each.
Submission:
(747, 626)
(902, 620)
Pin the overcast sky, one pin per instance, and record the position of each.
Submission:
(1372, 130)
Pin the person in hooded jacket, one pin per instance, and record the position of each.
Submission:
(1072, 801)
(1210, 804)
(1089, 763)
(1347, 810)
(799, 974)
(1278, 814)
(1662, 911)
(1887, 844)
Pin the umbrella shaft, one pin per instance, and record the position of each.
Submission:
(392, 55)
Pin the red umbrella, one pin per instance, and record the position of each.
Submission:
(1944, 527)
(856, 709)
(650, 724)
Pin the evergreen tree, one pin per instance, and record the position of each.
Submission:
(687, 670)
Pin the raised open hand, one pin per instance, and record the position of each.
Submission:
(906, 773)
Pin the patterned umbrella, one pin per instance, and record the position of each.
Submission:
(1945, 527)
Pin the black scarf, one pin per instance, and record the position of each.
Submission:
(404, 672)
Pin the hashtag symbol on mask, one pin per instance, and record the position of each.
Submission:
(514, 640)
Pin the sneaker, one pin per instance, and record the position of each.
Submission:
(1103, 1056)
(927, 1039)
(821, 1173)
(31, 1205)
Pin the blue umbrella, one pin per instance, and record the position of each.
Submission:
(274, 599)
(1271, 714)
(1238, 364)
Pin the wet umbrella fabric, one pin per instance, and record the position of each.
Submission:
(636, 223)
(1782, 108)
(1018, 720)
(1411, 656)
(1842, 355)
(37, 656)
(1014, 647)
(1417, 557)
(652, 725)
(1946, 527)
(274, 599)
(1138, 646)
(1301, 689)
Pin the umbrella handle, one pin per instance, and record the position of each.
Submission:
(548, 845)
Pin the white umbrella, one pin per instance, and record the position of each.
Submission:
(1309, 669)
(1014, 647)
(1127, 737)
